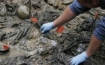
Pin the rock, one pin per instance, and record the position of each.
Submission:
(23, 12)
(20, 1)
(59, 3)
(54, 43)
(51, 1)
(3, 10)
(66, 1)
(55, 3)
(8, 30)
(31, 52)
(34, 33)
(16, 1)
(37, 3)
(62, 7)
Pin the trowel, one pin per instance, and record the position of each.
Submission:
(38, 25)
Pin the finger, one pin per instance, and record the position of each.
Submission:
(42, 27)
(76, 63)
(71, 62)
(70, 58)
(43, 31)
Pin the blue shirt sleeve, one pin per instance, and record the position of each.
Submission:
(77, 8)
(99, 32)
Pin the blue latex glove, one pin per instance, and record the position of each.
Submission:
(45, 28)
(78, 59)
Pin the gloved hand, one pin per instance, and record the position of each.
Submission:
(45, 28)
(78, 59)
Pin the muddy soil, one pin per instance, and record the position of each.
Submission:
(29, 47)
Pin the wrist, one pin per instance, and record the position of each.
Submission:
(85, 55)
(52, 25)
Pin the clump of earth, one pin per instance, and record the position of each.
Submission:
(29, 47)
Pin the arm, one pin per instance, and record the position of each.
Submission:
(69, 13)
(95, 42)
(93, 46)
(66, 16)
(97, 38)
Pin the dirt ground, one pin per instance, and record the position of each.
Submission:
(29, 47)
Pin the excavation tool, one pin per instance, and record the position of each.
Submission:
(95, 18)
(38, 25)
(35, 20)
(60, 29)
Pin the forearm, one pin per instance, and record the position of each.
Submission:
(66, 16)
(93, 46)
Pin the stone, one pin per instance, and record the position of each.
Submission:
(54, 43)
(23, 12)
(67, 1)
(3, 10)
(51, 1)
(16, 1)
(56, 3)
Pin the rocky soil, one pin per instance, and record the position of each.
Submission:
(29, 47)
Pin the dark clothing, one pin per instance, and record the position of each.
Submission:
(102, 4)
(77, 8)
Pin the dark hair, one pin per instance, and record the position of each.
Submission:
(88, 1)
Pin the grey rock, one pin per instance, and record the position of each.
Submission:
(67, 1)
(3, 10)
